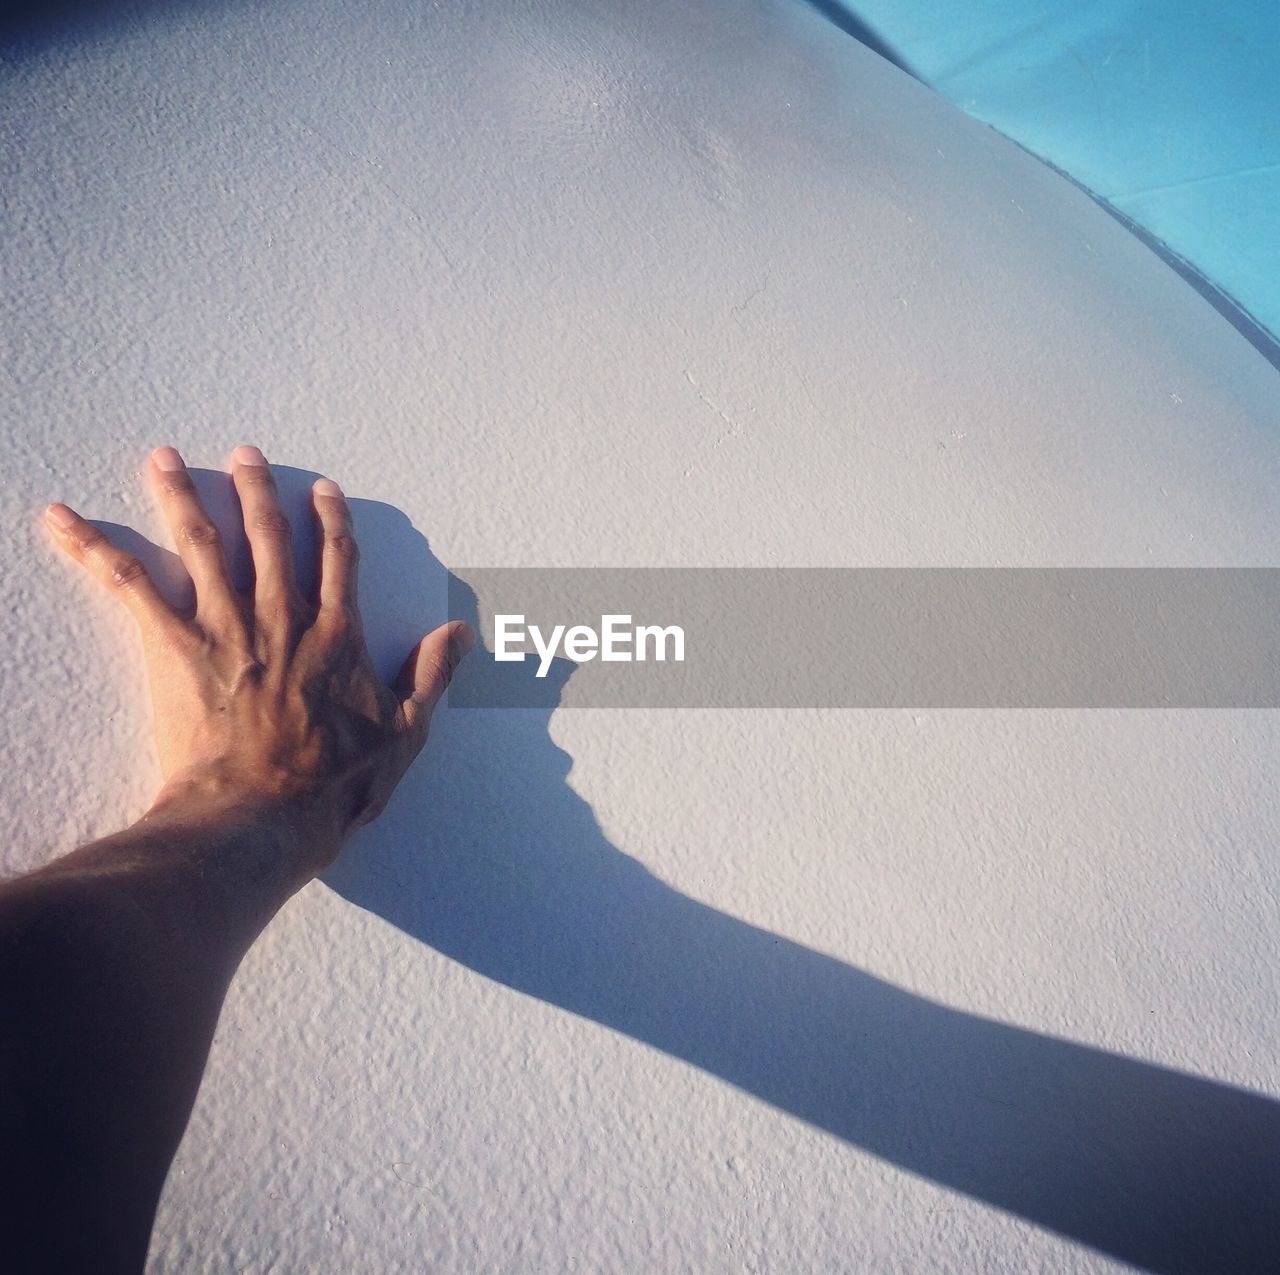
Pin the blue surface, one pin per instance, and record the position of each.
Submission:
(1167, 112)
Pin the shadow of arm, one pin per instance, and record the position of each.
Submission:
(507, 871)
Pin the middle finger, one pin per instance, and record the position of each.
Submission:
(268, 532)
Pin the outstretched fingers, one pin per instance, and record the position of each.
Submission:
(429, 670)
(118, 571)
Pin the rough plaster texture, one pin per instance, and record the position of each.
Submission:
(671, 283)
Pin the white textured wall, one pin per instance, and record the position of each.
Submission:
(592, 282)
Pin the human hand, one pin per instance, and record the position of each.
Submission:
(264, 698)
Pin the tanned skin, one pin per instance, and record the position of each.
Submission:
(277, 739)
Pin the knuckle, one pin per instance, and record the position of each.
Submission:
(343, 545)
(90, 540)
(271, 522)
(126, 571)
(201, 534)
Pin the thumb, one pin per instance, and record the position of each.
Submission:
(430, 668)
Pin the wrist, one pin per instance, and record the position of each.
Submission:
(301, 821)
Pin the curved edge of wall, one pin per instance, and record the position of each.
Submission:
(1226, 305)
(1160, 117)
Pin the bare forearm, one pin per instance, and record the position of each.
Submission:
(277, 739)
(114, 962)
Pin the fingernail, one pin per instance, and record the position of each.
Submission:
(326, 487)
(167, 458)
(246, 454)
(60, 516)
